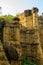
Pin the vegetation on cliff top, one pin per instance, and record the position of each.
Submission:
(7, 18)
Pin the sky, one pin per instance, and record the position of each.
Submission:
(14, 7)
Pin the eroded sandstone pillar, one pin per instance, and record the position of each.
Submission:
(36, 38)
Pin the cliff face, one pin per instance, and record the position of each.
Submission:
(33, 36)
(25, 35)
(3, 58)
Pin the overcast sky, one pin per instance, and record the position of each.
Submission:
(16, 6)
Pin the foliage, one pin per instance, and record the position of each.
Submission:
(7, 18)
(26, 62)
